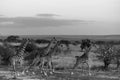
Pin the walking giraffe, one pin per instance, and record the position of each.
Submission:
(50, 51)
(86, 47)
(19, 56)
(45, 55)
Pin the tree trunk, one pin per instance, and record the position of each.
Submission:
(118, 64)
(106, 64)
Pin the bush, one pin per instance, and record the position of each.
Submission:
(5, 53)
(42, 41)
(97, 68)
(1, 59)
(12, 38)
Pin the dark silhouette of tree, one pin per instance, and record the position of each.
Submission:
(2, 50)
(30, 47)
(117, 55)
(12, 38)
(31, 55)
(1, 40)
(114, 42)
(1, 59)
(100, 42)
(86, 43)
(42, 41)
(6, 52)
(106, 54)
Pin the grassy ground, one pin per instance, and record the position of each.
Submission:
(6, 74)
(62, 60)
(66, 60)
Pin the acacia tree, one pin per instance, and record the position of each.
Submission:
(12, 38)
(42, 41)
(106, 54)
(86, 43)
(5, 53)
(117, 55)
(1, 53)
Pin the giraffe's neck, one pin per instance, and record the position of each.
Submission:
(86, 53)
(49, 50)
(21, 51)
(48, 47)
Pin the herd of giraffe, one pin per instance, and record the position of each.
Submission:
(46, 57)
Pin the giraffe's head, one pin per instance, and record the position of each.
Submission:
(54, 41)
(53, 44)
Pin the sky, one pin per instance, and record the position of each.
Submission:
(59, 17)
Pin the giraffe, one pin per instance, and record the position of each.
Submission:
(45, 55)
(84, 59)
(48, 57)
(86, 47)
(19, 56)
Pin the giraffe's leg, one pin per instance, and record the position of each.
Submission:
(89, 69)
(50, 64)
(22, 66)
(27, 68)
(42, 64)
(13, 65)
(21, 63)
(51, 67)
(76, 64)
(14, 69)
(42, 68)
(82, 68)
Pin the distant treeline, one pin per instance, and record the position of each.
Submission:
(14, 38)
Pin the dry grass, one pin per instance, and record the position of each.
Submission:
(61, 75)
(66, 61)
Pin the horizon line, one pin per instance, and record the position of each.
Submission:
(58, 35)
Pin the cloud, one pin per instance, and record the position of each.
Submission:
(6, 23)
(1, 15)
(38, 22)
(47, 15)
